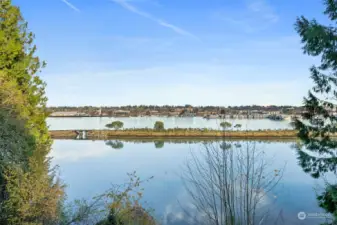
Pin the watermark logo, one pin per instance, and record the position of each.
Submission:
(301, 215)
(304, 215)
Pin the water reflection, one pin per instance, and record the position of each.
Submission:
(229, 184)
(115, 144)
(224, 144)
(159, 144)
(200, 141)
(90, 167)
(318, 157)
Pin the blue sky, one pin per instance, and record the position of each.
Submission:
(199, 52)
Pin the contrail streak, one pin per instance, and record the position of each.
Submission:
(163, 23)
(71, 5)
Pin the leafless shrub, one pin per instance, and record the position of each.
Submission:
(229, 185)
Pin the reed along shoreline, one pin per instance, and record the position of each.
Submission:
(171, 134)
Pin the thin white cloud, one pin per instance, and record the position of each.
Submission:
(161, 22)
(71, 5)
(256, 16)
(152, 2)
(261, 6)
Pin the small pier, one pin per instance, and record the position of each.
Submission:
(81, 135)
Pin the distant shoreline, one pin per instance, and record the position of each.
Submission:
(209, 112)
(171, 134)
(162, 116)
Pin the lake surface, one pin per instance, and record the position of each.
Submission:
(82, 123)
(91, 167)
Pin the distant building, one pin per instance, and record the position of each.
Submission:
(154, 113)
(255, 111)
(201, 114)
(274, 112)
(190, 109)
(65, 114)
(213, 116)
(121, 113)
(174, 113)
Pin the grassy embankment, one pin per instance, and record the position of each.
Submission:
(174, 133)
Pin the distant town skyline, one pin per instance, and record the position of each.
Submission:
(193, 106)
(160, 52)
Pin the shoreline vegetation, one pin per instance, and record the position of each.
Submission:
(177, 133)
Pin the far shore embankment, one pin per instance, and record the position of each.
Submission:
(171, 134)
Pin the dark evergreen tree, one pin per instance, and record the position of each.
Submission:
(319, 121)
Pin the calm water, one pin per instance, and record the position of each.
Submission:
(170, 122)
(90, 167)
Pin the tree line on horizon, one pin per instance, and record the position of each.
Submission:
(158, 107)
(166, 109)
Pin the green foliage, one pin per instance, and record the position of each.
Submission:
(238, 126)
(225, 125)
(328, 199)
(121, 204)
(33, 199)
(159, 125)
(28, 194)
(115, 125)
(16, 142)
(319, 122)
(319, 40)
(111, 219)
(124, 204)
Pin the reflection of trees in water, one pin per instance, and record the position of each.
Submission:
(317, 157)
(199, 141)
(228, 184)
(115, 144)
(119, 144)
(159, 144)
(225, 146)
(317, 164)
